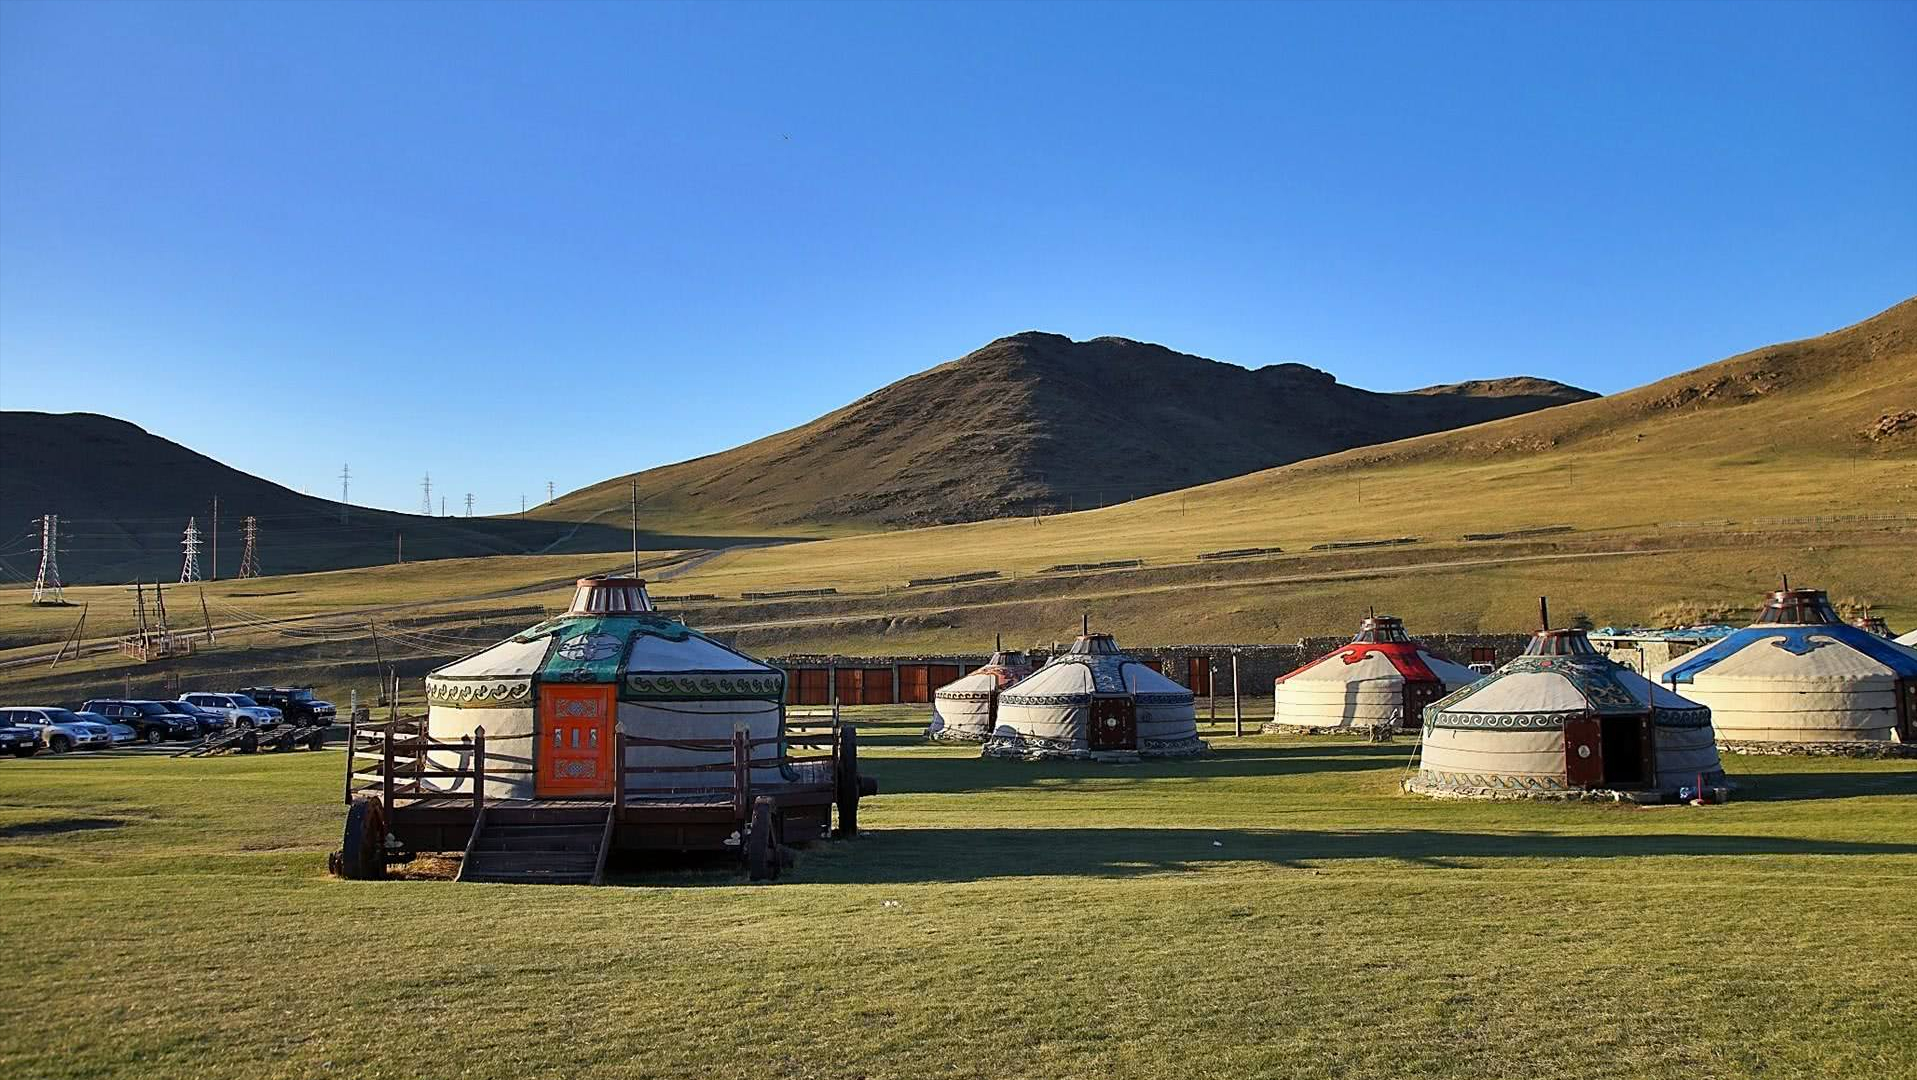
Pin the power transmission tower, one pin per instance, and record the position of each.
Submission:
(469, 504)
(250, 558)
(426, 498)
(549, 491)
(190, 568)
(46, 587)
(442, 506)
(345, 479)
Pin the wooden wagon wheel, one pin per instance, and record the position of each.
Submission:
(846, 777)
(317, 740)
(249, 743)
(362, 855)
(762, 842)
(285, 742)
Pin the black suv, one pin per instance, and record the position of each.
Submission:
(16, 740)
(296, 703)
(154, 721)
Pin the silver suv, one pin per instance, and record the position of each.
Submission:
(238, 709)
(60, 730)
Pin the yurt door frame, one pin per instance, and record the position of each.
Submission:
(1114, 724)
(574, 759)
(1907, 709)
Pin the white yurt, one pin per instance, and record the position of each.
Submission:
(1563, 721)
(1908, 641)
(1801, 678)
(1380, 677)
(1095, 702)
(548, 699)
(966, 709)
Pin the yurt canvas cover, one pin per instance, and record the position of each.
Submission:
(1800, 675)
(1095, 701)
(549, 699)
(1380, 676)
(1560, 719)
(964, 710)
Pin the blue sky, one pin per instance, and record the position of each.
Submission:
(509, 244)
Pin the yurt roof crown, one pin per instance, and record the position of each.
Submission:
(610, 596)
(1797, 607)
(1382, 628)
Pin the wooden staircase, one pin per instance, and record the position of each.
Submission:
(539, 844)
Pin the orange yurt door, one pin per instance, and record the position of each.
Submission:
(575, 741)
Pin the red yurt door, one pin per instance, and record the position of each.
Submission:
(1584, 752)
(1114, 724)
(575, 741)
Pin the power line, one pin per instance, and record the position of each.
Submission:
(190, 568)
(250, 558)
(46, 587)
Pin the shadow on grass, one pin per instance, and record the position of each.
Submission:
(57, 826)
(956, 855)
(1798, 787)
(948, 775)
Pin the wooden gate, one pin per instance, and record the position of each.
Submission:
(1114, 724)
(915, 684)
(575, 741)
(1584, 752)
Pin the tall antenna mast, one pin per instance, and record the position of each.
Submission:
(345, 490)
(426, 495)
(190, 542)
(46, 587)
(250, 558)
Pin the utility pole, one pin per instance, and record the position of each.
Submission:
(204, 617)
(1237, 700)
(46, 587)
(635, 528)
(250, 557)
(345, 479)
(216, 537)
(190, 568)
(522, 506)
(426, 495)
(399, 547)
(442, 506)
(469, 504)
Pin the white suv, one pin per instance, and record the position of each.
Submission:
(238, 709)
(60, 730)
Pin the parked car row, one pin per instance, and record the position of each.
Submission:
(104, 723)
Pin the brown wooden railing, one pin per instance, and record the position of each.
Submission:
(394, 759)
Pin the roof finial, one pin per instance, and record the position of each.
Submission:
(1544, 614)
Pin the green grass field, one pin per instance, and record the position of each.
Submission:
(1277, 909)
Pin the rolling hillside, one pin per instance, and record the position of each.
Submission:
(124, 495)
(1724, 476)
(1040, 423)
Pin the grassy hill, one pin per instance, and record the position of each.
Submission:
(124, 495)
(1040, 423)
(1820, 428)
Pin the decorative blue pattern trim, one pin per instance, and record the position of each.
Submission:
(1796, 640)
